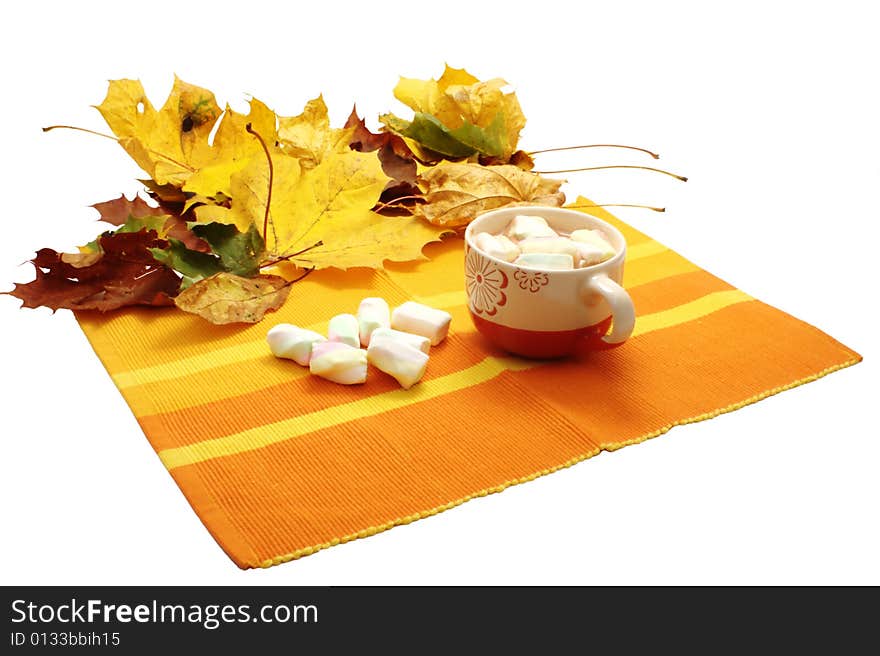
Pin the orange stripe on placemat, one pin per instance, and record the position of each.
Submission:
(349, 481)
(689, 371)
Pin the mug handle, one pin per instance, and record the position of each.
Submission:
(622, 311)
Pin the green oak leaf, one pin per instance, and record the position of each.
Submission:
(192, 264)
(463, 141)
(240, 253)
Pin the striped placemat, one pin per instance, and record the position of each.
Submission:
(278, 464)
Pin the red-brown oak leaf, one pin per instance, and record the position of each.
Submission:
(397, 159)
(116, 211)
(125, 274)
(119, 210)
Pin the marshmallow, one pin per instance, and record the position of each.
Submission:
(497, 246)
(412, 317)
(404, 362)
(372, 313)
(417, 341)
(339, 362)
(588, 254)
(524, 227)
(597, 240)
(292, 342)
(344, 328)
(545, 260)
(549, 245)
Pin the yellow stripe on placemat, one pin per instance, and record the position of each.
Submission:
(261, 436)
(680, 314)
(485, 370)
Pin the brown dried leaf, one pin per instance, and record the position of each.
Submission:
(116, 211)
(456, 193)
(124, 274)
(227, 298)
(397, 159)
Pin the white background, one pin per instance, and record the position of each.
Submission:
(769, 107)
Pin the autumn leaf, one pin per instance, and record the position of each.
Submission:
(330, 204)
(233, 149)
(117, 211)
(455, 193)
(226, 298)
(193, 265)
(125, 273)
(171, 143)
(239, 252)
(459, 116)
(141, 216)
(309, 136)
(397, 159)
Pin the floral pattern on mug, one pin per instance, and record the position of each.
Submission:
(485, 284)
(531, 280)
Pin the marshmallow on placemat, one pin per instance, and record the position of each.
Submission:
(344, 328)
(292, 342)
(404, 362)
(524, 227)
(498, 246)
(417, 341)
(554, 261)
(339, 362)
(412, 317)
(372, 313)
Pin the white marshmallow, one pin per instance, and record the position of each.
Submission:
(596, 239)
(412, 317)
(549, 245)
(588, 254)
(524, 227)
(416, 341)
(292, 342)
(548, 261)
(372, 313)
(498, 246)
(405, 363)
(339, 362)
(344, 328)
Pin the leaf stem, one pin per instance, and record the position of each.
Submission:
(251, 130)
(554, 150)
(291, 255)
(393, 202)
(615, 166)
(303, 275)
(117, 140)
(646, 207)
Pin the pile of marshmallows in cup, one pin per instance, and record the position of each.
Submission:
(394, 342)
(530, 242)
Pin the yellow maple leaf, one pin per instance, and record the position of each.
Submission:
(309, 136)
(233, 149)
(329, 203)
(455, 193)
(459, 100)
(171, 143)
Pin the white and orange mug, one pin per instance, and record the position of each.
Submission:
(547, 314)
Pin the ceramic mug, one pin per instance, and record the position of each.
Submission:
(547, 314)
